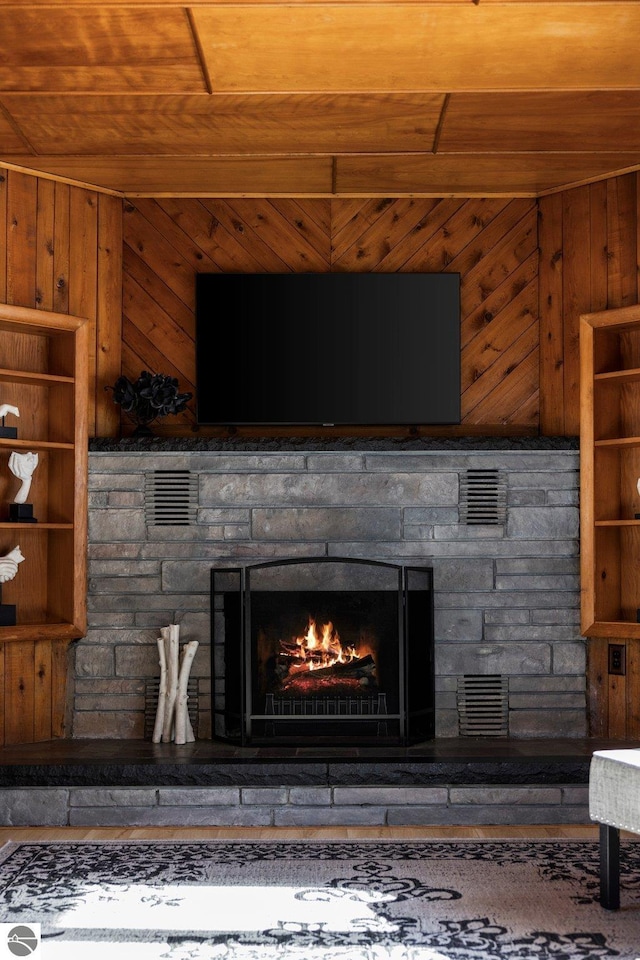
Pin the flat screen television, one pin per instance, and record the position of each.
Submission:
(331, 349)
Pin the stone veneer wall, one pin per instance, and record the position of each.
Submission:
(506, 596)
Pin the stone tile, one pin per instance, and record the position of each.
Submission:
(199, 796)
(545, 583)
(118, 478)
(507, 616)
(244, 462)
(34, 807)
(125, 498)
(543, 684)
(334, 462)
(113, 797)
(102, 701)
(331, 523)
(463, 575)
(510, 600)
(546, 723)
(184, 816)
(108, 725)
(543, 523)
(115, 551)
(512, 632)
(538, 700)
(460, 625)
(547, 479)
(111, 687)
(91, 661)
(110, 525)
(137, 661)
(340, 489)
(526, 498)
(504, 658)
(575, 795)
(509, 795)
(564, 616)
(530, 566)
(263, 796)
(570, 657)
(329, 816)
(384, 796)
(124, 567)
(307, 796)
(471, 549)
(463, 532)
(493, 814)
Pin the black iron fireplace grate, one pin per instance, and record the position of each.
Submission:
(327, 707)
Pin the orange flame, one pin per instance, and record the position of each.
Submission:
(319, 649)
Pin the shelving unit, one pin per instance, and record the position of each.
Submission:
(44, 371)
(610, 529)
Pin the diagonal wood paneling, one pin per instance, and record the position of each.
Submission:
(491, 243)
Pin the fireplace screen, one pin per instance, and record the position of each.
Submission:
(320, 651)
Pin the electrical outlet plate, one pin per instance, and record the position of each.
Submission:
(617, 659)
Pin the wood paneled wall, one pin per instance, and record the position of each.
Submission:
(528, 268)
(60, 250)
(491, 243)
(589, 248)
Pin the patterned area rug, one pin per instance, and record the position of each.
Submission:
(320, 900)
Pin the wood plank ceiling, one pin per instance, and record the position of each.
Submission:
(345, 98)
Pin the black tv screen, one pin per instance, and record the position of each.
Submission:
(328, 349)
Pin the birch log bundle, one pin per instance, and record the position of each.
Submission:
(172, 716)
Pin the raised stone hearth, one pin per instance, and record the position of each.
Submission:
(445, 781)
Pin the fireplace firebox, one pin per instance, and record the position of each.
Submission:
(322, 651)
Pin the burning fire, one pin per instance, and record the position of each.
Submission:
(318, 649)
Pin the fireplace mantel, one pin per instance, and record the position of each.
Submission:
(327, 444)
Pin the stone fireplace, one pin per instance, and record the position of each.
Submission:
(496, 520)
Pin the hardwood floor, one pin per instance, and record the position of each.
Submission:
(580, 831)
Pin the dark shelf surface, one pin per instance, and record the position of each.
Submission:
(211, 763)
(327, 442)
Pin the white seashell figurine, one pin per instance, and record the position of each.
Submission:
(9, 564)
(6, 408)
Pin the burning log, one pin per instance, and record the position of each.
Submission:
(361, 672)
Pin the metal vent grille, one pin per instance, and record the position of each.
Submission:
(151, 694)
(483, 497)
(170, 498)
(483, 705)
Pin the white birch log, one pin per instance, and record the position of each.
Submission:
(172, 648)
(162, 693)
(183, 729)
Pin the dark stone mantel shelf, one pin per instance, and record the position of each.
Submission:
(329, 444)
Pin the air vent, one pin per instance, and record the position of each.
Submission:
(483, 497)
(483, 705)
(151, 696)
(170, 498)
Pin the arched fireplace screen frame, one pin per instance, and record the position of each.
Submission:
(395, 689)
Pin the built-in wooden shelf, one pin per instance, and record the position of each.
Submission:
(44, 372)
(623, 442)
(34, 445)
(609, 532)
(617, 523)
(618, 376)
(24, 376)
